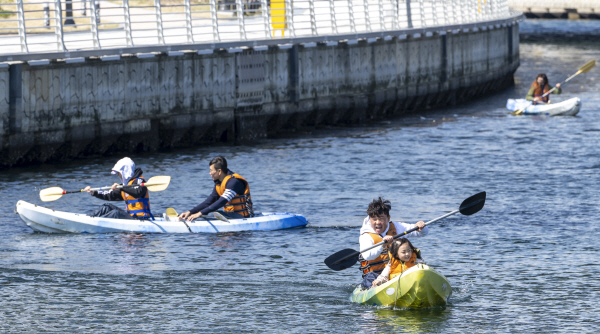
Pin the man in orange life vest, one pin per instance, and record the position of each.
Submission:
(378, 227)
(231, 192)
(136, 196)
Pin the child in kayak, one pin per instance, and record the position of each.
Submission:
(403, 255)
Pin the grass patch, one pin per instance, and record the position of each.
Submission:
(4, 14)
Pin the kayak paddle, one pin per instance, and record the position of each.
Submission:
(173, 214)
(346, 258)
(155, 183)
(583, 69)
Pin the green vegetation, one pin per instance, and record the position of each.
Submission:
(4, 15)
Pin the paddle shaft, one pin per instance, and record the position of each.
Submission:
(121, 187)
(398, 236)
(583, 69)
(103, 188)
(562, 83)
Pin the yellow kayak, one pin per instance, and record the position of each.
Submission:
(418, 287)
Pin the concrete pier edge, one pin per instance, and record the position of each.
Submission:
(58, 109)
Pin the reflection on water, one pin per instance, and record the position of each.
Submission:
(386, 320)
(131, 242)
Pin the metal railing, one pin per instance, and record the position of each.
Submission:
(35, 26)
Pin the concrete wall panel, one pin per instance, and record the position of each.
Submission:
(4, 101)
(132, 104)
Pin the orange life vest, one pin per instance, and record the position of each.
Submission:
(377, 265)
(397, 266)
(539, 92)
(137, 207)
(241, 204)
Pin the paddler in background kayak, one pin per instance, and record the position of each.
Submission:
(538, 88)
(231, 192)
(378, 227)
(136, 197)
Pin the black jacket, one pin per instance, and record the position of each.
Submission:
(135, 191)
(215, 202)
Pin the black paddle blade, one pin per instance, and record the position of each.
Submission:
(472, 204)
(343, 259)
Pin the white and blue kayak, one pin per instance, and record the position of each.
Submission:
(46, 220)
(569, 107)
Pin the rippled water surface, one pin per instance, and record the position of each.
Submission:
(528, 261)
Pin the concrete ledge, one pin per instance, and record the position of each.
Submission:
(75, 60)
(145, 55)
(111, 58)
(38, 62)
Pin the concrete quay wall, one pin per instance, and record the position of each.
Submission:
(67, 110)
(564, 9)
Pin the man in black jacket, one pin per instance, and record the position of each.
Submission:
(231, 193)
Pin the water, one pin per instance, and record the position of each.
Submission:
(528, 261)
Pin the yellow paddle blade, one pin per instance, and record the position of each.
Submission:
(588, 66)
(51, 194)
(158, 183)
(220, 217)
(171, 212)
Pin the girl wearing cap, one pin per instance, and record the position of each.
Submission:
(135, 195)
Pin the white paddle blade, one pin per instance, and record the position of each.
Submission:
(171, 212)
(158, 183)
(51, 194)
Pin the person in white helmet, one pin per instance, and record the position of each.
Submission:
(133, 192)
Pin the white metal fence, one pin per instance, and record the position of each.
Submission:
(33, 26)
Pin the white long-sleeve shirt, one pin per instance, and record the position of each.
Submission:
(366, 240)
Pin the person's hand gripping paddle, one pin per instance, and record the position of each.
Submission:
(346, 258)
(155, 183)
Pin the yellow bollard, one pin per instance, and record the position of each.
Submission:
(278, 16)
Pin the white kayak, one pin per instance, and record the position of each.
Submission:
(42, 219)
(569, 107)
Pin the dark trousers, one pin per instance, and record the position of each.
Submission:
(108, 210)
(367, 281)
